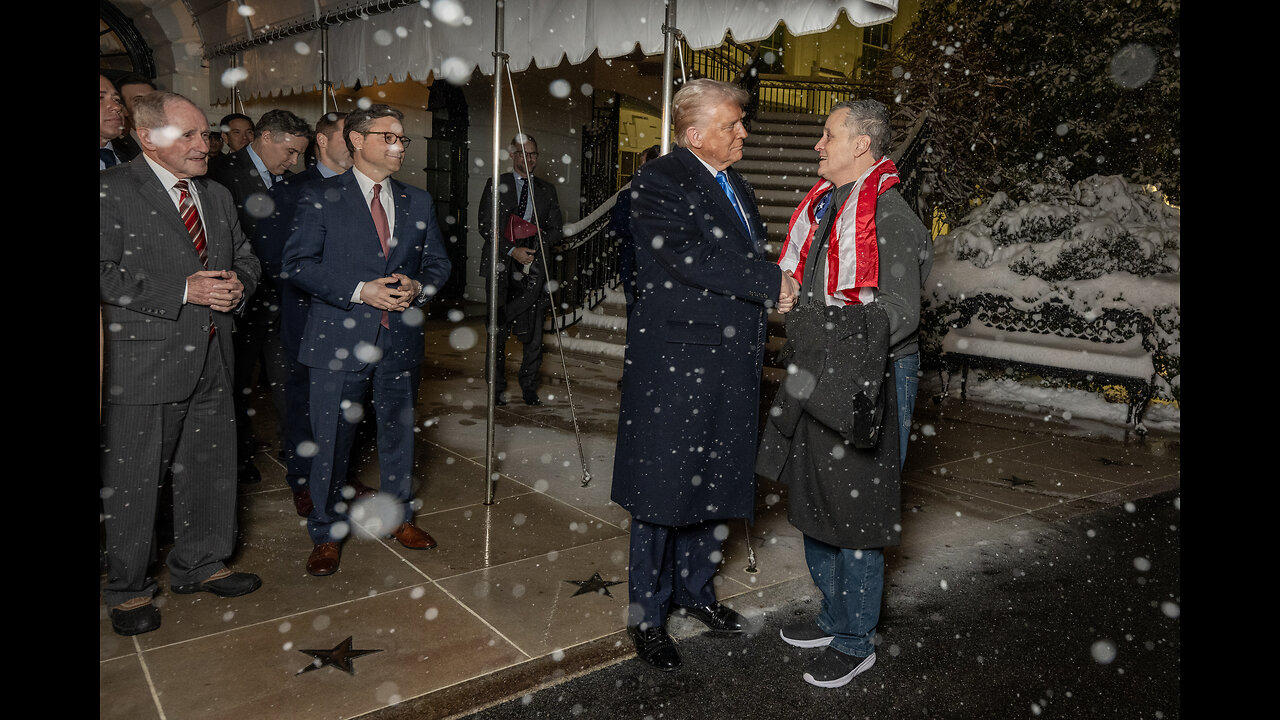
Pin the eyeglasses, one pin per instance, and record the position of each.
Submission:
(526, 154)
(390, 137)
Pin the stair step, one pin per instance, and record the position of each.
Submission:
(789, 130)
(789, 197)
(784, 154)
(783, 137)
(761, 180)
(807, 169)
(791, 118)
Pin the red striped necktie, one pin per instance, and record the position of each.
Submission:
(195, 228)
(191, 218)
(384, 233)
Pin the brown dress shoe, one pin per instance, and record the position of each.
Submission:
(302, 502)
(413, 537)
(362, 491)
(324, 559)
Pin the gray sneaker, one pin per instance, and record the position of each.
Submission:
(806, 634)
(833, 668)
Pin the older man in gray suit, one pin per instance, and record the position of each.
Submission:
(173, 266)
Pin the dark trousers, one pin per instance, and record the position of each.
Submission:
(670, 566)
(295, 426)
(531, 361)
(257, 340)
(333, 429)
(195, 438)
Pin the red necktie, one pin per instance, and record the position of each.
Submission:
(195, 228)
(384, 233)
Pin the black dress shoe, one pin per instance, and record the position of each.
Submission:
(532, 399)
(233, 585)
(136, 621)
(655, 647)
(721, 619)
(500, 399)
(248, 474)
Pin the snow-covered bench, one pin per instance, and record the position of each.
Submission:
(1125, 363)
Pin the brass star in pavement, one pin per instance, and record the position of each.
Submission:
(339, 657)
(595, 584)
(1015, 481)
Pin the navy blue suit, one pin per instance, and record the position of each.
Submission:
(272, 233)
(685, 456)
(333, 248)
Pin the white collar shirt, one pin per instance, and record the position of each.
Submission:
(388, 201)
(715, 174)
(168, 180)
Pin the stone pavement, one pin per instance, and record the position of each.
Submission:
(492, 612)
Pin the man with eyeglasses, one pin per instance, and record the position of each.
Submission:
(527, 206)
(174, 266)
(368, 250)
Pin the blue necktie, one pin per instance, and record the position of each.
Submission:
(108, 157)
(724, 185)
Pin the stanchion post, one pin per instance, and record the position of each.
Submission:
(491, 356)
(668, 47)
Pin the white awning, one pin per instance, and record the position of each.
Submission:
(451, 38)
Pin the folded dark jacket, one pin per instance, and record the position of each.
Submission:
(837, 358)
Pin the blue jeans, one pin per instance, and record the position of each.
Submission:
(852, 584)
(906, 375)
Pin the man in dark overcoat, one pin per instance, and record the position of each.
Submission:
(840, 455)
(695, 349)
(522, 299)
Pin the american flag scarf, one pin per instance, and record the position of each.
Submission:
(853, 257)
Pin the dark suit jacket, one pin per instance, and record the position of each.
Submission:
(695, 348)
(334, 247)
(237, 173)
(273, 231)
(155, 344)
(126, 148)
(518, 294)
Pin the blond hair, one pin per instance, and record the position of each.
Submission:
(695, 100)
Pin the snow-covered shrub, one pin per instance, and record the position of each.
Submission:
(1098, 259)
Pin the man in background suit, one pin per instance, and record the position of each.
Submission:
(111, 123)
(237, 131)
(685, 458)
(522, 297)
(249, 173)
(368, 250)
(173, 266)
(131, 87)
(332, 158)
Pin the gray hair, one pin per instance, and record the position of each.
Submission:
(696, 99)
(867, 117)
(151, 110)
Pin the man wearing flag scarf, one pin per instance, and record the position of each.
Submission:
(853, 241)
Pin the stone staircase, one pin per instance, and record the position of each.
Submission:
(779, 161)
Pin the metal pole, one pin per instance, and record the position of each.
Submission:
(324, 70)
(491, 357)
(668, 46)
(235, 89)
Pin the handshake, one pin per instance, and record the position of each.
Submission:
(789, 293)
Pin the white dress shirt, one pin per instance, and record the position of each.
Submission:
(168, 180)
(388, 204)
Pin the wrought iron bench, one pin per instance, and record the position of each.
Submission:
(1127, 363)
